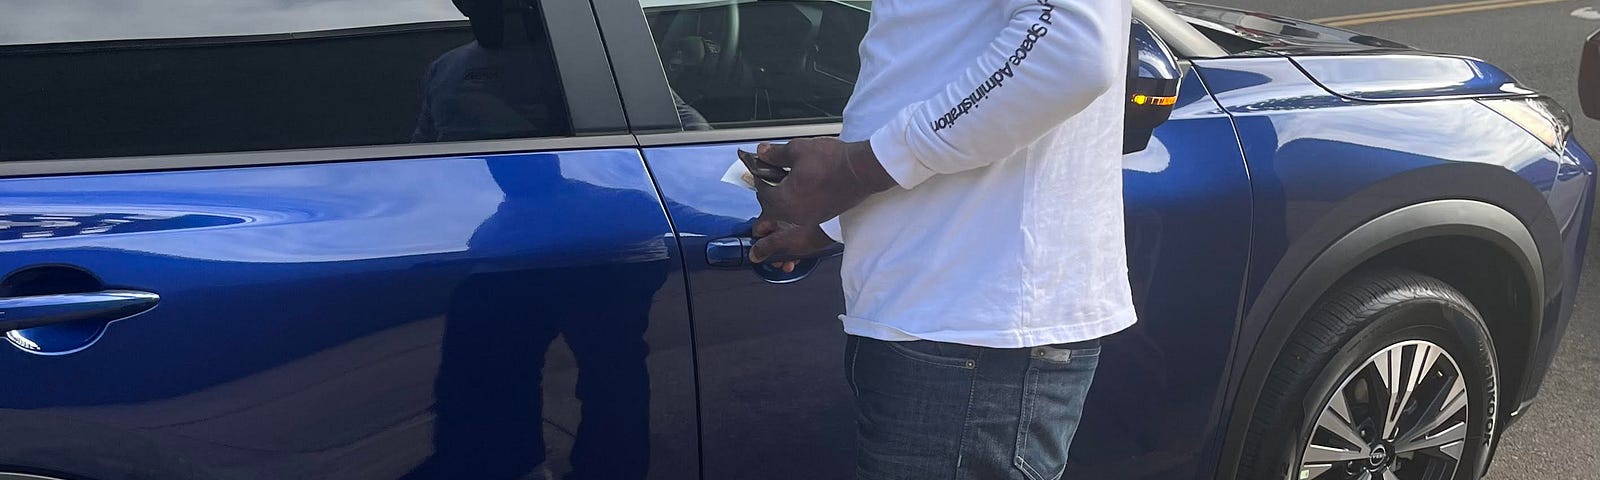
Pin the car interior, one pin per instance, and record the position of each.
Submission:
(762, 62)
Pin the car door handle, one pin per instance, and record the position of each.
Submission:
(17, 313)
(734, 252)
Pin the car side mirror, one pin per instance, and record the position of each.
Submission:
(1589, 77)
(1153, 78)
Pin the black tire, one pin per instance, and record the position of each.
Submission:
(1363, 324)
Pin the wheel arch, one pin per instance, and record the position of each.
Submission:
(1465, 224)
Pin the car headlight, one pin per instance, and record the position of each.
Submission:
(1540, 116)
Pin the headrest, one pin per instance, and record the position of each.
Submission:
(491, 19)
(687, 51)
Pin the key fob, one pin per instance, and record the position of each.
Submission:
(767, 172)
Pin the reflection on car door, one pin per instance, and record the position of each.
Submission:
(769, 347)
(1160, 384)
(208, 296)
(349, 320)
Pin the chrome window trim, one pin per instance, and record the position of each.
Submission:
(229, 40)
(734, 135)
(103, 165)
(23, 476)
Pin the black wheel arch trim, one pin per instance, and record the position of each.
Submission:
(1518, 220)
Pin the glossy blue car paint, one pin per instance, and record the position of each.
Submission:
(769, 350)
(1571, 199)
(451, 317)
(1322, 165)
(348, 320)
(1313, 154)
(771, 355)
(1187, 210)
(1391, 77)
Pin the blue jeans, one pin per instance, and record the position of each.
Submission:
(937, 411)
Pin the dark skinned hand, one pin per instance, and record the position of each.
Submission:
(775, 237)
(826, 177)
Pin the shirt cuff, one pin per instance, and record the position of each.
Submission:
(833, 229)
(893, 150)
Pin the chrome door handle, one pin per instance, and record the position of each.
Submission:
(731, 252)
(734, 252)
(17, 313)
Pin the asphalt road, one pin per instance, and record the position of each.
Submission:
(1538, 42)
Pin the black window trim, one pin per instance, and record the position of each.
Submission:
(593, 102)
(641, 80)
(596, 110)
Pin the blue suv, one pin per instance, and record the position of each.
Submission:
(365, 239)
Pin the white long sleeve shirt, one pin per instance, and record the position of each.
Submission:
(1001, 120)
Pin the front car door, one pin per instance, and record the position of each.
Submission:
(774, 403)
(768, 345)
(332, 240)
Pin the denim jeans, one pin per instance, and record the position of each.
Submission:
(936, 411)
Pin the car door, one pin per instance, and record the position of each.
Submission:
(332, 240)
(774, 403)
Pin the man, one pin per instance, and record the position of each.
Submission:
(977, 186)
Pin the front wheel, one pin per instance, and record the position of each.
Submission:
(1392, 376)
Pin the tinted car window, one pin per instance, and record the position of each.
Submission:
(104, 79)
(768, 62)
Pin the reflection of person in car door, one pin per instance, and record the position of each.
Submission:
(501, 85)
(504, 316)
(504, 84)
(977, 186)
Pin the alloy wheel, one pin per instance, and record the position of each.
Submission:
(1403, 415)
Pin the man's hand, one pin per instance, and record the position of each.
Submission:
(826, 177)
(778, 238)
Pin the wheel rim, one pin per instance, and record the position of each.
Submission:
(1402, 416)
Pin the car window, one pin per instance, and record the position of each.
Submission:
(157, 77)
(757, 63)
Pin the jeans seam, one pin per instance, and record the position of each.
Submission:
(1025, 421)
(913, 355)
(854, 346)
(966, 421)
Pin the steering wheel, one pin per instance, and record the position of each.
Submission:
(728, 59)
(710, 63)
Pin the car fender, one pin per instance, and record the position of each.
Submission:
(1472, 200)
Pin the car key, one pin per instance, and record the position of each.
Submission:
(772, 174)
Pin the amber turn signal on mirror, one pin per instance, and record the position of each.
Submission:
(1151, 100)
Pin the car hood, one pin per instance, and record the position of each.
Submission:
(1282, 34)
(1355, 65)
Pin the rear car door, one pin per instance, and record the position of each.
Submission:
(332, 240)
(704, 79)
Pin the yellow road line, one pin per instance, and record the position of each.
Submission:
(1423, 12)
(1355, 16)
